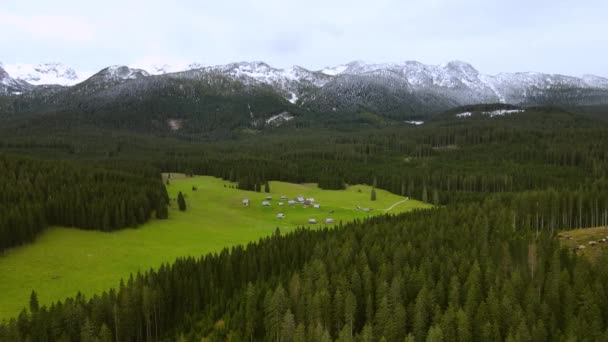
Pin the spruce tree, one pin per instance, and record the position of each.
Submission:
(373, 196)
(266, 187)
(34, 305)
(181, 202)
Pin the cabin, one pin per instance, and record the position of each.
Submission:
(246, 202)
(316, 206)
(266, 204)
(329, 220)
(291, 202)
(312, 221)
(280, 203)
(592, 243)
(268, 198)
(281, 216)
(300, 198)
(283, 197)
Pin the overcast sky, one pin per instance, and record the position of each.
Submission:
(555, 36)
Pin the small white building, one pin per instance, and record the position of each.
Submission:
(283, 197)
(366, 210)
(316, 206)
(312, 221)
(281, 216)
(246, 202)
(268, 198)
(266, 204)
(291, 202)
(329, 220)
(300, 198)
(280, 203)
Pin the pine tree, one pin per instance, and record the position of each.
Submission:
(425, 196)
(34, 305)
(266, 187)
(374, 185)
(181, 202)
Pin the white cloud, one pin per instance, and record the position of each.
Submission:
(47, 27)
(556, 36)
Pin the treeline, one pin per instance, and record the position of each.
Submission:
(460, 273)
(35, 194)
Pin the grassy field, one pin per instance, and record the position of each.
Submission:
(64, 261)
(581, 237)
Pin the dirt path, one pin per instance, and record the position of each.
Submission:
(394, 205)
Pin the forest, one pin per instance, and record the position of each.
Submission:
(38, 193)
(483, 265)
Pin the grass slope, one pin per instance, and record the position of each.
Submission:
(64, 261)
(581, 237)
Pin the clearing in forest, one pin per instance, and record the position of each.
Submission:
(589, 242)
(64, 261)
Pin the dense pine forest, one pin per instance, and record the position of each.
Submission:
(483, 265)
(37, 193)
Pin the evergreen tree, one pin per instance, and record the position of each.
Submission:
(266, 187)
(181, 201)
(34, 305)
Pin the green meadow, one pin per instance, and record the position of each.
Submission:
(64, 261)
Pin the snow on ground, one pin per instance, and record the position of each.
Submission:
(279, 119)
(502, 112)
(493, 113)
(294, 98)
(333, 71)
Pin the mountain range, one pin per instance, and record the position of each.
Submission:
(259, 91)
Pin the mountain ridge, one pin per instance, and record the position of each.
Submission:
(392, 90)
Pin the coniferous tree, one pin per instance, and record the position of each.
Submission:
(181, 201)
(34, 305)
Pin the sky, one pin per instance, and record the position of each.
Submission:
(557, 36)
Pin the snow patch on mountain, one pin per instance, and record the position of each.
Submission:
(279, 119)
(121, 73)
(164, 68)
(498, 112)
(501, 112)
(415, 123)
(333, 71)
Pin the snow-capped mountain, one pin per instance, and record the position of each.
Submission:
(393, 89)
(290, 82)
(47, 73)
(164, 68)
(11, 86)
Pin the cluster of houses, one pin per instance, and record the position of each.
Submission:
(305, 202)
(593, 242)
(590, 243)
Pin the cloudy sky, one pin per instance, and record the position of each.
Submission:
(556, 36)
